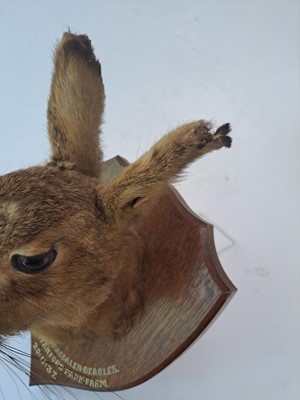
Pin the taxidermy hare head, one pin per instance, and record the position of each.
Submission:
(69, 253)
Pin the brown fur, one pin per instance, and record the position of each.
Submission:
(92, 287)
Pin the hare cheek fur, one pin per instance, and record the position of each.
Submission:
(91, 286)
(77, 290)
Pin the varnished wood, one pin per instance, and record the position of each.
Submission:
(185, 287)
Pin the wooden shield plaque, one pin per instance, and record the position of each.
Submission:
(184, 288)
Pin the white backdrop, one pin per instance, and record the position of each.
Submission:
(166, 62)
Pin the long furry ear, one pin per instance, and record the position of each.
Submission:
(76, 106)
(149, 176)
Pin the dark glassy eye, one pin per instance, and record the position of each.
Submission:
(34, 264)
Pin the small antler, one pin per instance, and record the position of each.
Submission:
(76, 106)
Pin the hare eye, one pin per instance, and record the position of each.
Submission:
(34, 264)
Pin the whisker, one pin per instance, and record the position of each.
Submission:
(21, 360)
(2, 394)
(12, 372)
(24, 366)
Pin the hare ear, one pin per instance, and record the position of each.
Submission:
(150, 175)
(76, 106)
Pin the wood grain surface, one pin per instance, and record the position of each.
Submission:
(184, 288)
